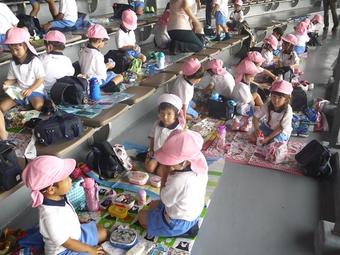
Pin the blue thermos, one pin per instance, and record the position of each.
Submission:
(94, 89)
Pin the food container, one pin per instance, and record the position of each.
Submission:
(123, 238)
(118, 211)
(155, 181)
(124, 199)
(138, 177)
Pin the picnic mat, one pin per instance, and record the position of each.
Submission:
(21, 140)
(170, 245)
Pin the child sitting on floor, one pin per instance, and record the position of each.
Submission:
(91, 60)
(192, 73)
(56, 64)
(126, 39)
(221, 80)
(277, 113)
(236, 16)
(313, 30)
(162, 38)
(220, 10)
(48, 179)
(182, 198)
(278, 33)
(302, 37)
(270, 44)
(170, 118)
(26, 72)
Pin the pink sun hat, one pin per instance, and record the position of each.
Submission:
(55, 36)
(129, 19)
(216, 66)
(238, 2)
(272, 41)
(16, 35)
(318, 18)
(180, 146)
(301, 28)
(282, 86)
(255, 57)
(245, 67)
(290, 38)
(44, 171)
(97, 31)
(191, 66)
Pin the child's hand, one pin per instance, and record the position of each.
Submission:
(26, 92)
(150, 153)
(264, 141)
(136, 48)
(257, 132)
(97, 251)
(110, 65)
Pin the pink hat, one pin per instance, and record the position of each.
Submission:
(44, 171)
(255, 57)
(216, 66)
(191, 66)
(238, 2)
(245, 67)
(318, 18)
(55, 36)
(97, 31)
(307, 21)
(180, 146)
(129, 19)
(16, 35)
(272, 41)
(282, 86)
(301, 28)
(175, 101)
(290, 38)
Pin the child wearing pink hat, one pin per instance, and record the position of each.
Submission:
(313, 30)
(170, 119)
(56, 64)
(302, 37)
(192, 73)
(48, 179)
(220, 79)
(91, 60)
(236, 17)
(270, 44)
(125, 37)
(182, 198)
(26, 72)
(277, 115)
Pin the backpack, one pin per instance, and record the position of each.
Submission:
(69, 90)
(244, 29)
(121, 59)
(58, 128)
(314, 160)
(31, 23)
(103, 160)
(221, 108)
(119, 8)
(299, 100)
(10, 171)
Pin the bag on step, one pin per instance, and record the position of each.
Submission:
(10, 171)
(58, 128)
(31, 23)
(314, 160)
(299, 100)
(121, 59)
(103, 159)
(69, 90)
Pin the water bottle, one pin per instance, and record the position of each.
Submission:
(160, 60)
(94, 89)
(91, 193)
(141, 197)
(221, 133)
(214, 96)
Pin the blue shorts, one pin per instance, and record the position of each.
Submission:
(220, 19)
(158, 225)
(137, 4)
(29, 99)
(267, 131)
(299, 50)
(191, 111)
(109, 76)
(89, 236)
(133, 53)
(62, 23)
(34, 1)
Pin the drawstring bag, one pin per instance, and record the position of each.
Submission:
(123, 156)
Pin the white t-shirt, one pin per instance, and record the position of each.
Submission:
(283, 119)
(56, 66)
(70, 9)
(237, 16)
(222, 7)
(183, 89)
(183, 195)
(92, 63)
(27, 74)
(223, 84)
(160, 134)
(302, 39)
(242, 94)
(7, 18)
(268, 56)
(57, 224)
(289, 59)
(125, 39)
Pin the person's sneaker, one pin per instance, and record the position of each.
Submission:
(226, 37)
(152, 9)
(335, 28)
(147, 9)
(303, 129)
(217, 38)
(325, 28)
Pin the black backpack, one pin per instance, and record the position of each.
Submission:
(121, 59)
(119, 8)
(31, 23)
(69, 90)
(104, 161)
(10, 171)
(299, 100)
(58, 128)
(314, 160)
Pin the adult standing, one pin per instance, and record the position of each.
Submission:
(332, 5)
(183, 37)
